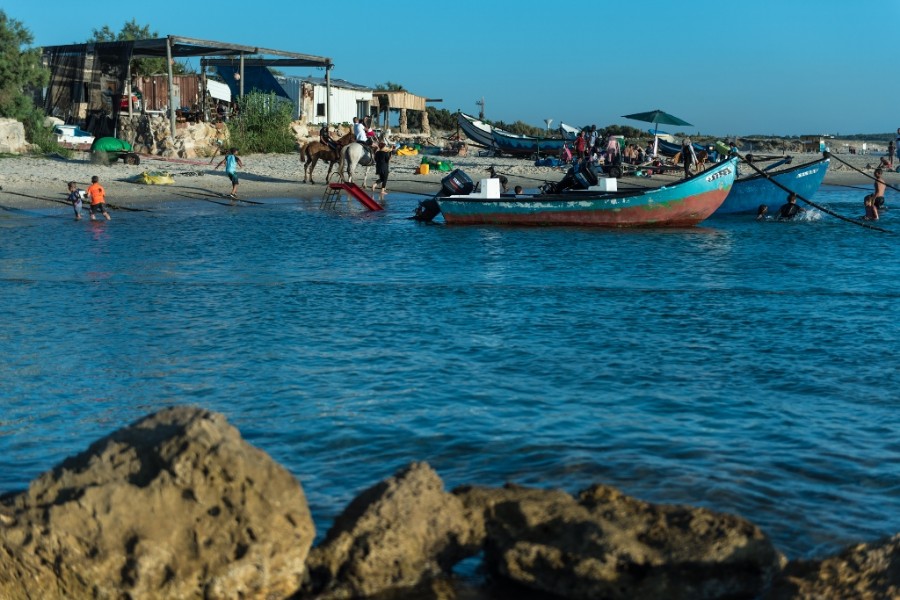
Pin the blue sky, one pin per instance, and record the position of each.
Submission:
(773, 67)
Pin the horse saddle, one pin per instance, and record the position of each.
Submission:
(368, 157)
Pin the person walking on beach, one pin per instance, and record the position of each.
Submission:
(890, 155)
(687, 155)
(382, 168)
(880, 185)
(98, 199)
(232, 162)
(75, 197)
(897, 145)
(789, 210)
(580, 145)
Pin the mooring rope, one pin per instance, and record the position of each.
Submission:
(810, 202)
(830, 155)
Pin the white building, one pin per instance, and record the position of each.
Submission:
(308, 96)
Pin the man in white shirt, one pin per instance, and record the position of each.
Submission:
(359, 131)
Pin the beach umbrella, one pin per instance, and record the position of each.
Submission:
(656, 117)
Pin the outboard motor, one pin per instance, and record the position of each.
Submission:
(457, 183)
(579, 177)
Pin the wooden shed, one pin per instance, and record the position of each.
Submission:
(386, 101)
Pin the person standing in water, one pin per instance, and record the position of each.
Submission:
(76, 197)
(98, 199)
(880, 186)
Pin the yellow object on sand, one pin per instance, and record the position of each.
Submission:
(153, 178)
(407, 151)
(423, 169)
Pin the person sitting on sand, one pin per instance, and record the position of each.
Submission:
(789, 210)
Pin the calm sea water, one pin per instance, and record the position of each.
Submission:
(747, 367)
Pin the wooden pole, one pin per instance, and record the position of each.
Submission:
(242, 76)
(328, 93)
(171, 86)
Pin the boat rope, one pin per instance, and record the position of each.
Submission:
(67, 203)
(810, 202)
(830, 155)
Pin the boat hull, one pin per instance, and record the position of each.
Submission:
(682, 204)
(748, 193)
(477, 131)
(525, 145)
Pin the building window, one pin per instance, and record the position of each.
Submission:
(320, 109)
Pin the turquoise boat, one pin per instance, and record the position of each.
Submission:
(681, 204)
(752, 189)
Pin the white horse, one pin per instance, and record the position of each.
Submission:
(355, 154)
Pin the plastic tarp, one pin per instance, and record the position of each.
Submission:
(218, 90)
(110, 144)
(259, 79)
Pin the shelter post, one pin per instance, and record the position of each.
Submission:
(128, 89)
(328, 94)
(171, 85)
(242, 77)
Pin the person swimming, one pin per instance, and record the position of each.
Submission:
(789, 210)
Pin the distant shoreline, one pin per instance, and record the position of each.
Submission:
(34, 182)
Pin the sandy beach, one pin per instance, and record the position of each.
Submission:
(30, 181)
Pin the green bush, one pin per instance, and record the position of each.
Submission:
(263, 124)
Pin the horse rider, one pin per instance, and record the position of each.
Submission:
(325, 138)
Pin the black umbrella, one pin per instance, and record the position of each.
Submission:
(657, 116)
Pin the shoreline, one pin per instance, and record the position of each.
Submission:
(35, 181)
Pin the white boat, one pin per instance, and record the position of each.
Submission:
(71, 134)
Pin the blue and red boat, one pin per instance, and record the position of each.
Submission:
(682, 204)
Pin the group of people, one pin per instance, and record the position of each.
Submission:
(873, 203)
(593, 146)
(364, 134)
(97, 195)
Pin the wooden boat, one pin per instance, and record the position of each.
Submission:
(568, 132)
(524, 145)
(477, 131)
(681, 204)
(671, 149)
(752, 189)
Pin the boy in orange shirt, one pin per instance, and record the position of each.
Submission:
(98, 198)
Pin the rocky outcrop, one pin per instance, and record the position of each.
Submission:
(400, 533)
(12, 137)
(178, 506)
(863, 571)
(604, 544)
(175, 506)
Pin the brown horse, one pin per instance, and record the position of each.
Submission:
(316, 150)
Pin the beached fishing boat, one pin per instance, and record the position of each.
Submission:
(568, 131)
(524, 145)
(752, 189)
(681, 204)
(477, 131)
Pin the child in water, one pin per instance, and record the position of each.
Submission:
(76, 197)
(871, 209)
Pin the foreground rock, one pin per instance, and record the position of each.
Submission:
(175, 506)
(864, 571)
(400, 533)
(604, 544)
